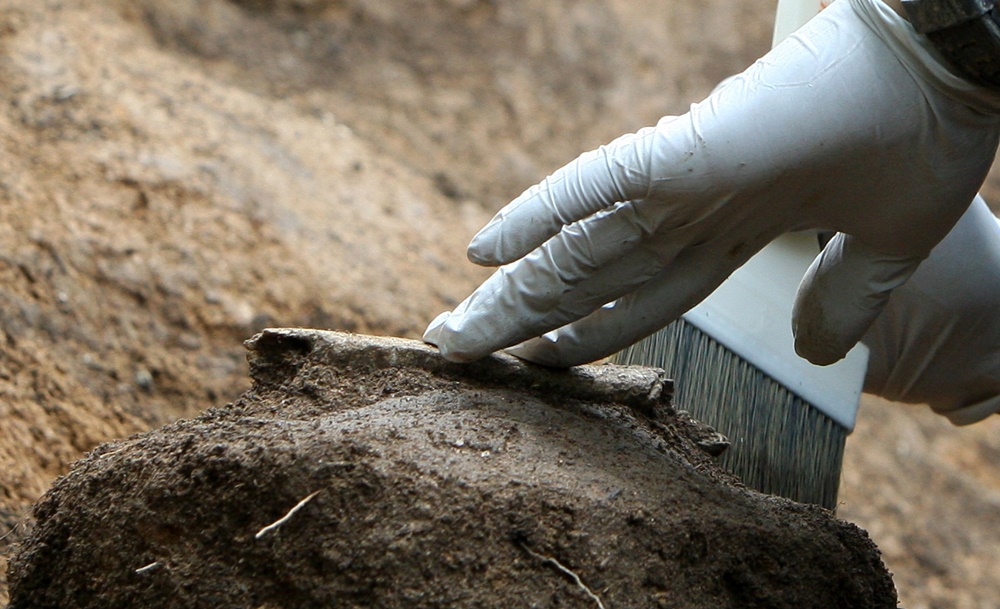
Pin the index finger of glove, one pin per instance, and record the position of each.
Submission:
(594, 181)
(589, 264)
(687, 280)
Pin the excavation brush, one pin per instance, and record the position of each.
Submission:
(734, 365)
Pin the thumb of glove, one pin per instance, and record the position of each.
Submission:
(841, 294)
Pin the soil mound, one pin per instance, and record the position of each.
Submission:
(370, 472)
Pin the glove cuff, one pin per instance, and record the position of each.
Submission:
(965, 32)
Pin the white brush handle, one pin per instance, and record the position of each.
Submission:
(751, 315)
(793, 14)
(751, 312)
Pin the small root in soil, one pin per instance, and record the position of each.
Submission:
(147, 568)
(286, 517)
(558, 565)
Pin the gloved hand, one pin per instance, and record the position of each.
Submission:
(938, 340)
(852, 124)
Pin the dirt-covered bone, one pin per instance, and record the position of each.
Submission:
(368, 472)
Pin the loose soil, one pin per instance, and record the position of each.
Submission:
(176, 175)
(431, 484)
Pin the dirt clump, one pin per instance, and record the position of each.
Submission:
(370, 472)
(176, 175)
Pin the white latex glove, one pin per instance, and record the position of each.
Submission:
(938, 340)
(853, 124)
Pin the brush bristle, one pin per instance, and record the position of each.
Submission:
(779, 443)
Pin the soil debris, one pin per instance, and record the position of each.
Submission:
(383, 476)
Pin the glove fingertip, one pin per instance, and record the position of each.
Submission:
(484, 248)
(432, 335)
(819, 352)
(449, 342)
(556, 349)
(537, 351)
(482, 257)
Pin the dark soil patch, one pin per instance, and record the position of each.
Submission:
(436, 485)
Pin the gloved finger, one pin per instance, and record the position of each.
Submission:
(585, 266)
(841, 294)
(937, 342)
(685, 282)
(595, 181)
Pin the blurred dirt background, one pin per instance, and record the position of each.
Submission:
(177, 174)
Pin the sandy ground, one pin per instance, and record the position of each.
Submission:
(176, 175)
(928, 493)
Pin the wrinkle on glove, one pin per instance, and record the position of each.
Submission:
(938, 340)
(847, 125)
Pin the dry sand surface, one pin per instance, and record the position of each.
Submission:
(176, 175)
